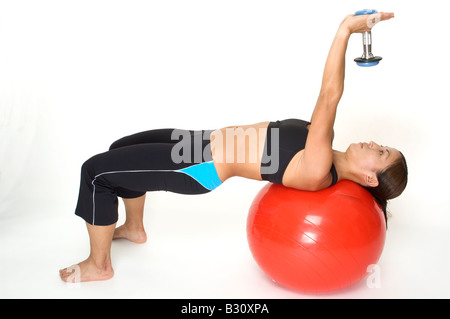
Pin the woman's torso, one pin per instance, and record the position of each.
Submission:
(238, 151)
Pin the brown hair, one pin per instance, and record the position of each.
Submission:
(391, 183)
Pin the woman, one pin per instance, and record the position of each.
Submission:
(292, 152)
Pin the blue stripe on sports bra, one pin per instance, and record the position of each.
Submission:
(204, 173)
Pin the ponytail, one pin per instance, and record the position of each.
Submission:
(382, 202)
(391, 183)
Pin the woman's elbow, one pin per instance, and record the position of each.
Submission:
(330, 96)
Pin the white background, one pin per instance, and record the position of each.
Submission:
(77, 75)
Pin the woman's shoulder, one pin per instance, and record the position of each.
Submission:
(298, 175)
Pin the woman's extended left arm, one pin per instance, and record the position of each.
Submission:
(332, 85)
(318, 155)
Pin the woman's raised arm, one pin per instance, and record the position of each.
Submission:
(318, 155)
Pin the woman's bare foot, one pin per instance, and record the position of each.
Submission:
(135, 234)
(87, 271)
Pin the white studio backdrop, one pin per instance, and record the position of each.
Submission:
(77, 75)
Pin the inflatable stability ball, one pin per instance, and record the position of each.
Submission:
(316, 241)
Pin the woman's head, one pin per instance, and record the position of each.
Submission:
(382, 170)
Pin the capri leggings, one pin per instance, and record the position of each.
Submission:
(172, 160)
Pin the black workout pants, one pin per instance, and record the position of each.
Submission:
(134, 165)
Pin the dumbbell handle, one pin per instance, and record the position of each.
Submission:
(367, 58)
(367, 44)
(367, 36)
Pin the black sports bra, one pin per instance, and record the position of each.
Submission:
(292, 134)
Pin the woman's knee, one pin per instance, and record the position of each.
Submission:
(125, 141)
(116, 144)
(90, 167)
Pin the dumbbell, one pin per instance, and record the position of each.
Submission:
(367, 59)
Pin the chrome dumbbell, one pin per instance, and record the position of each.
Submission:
(367, 58)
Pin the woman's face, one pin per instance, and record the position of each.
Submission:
(371, 156)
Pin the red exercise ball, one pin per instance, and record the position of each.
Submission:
(316, 241)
